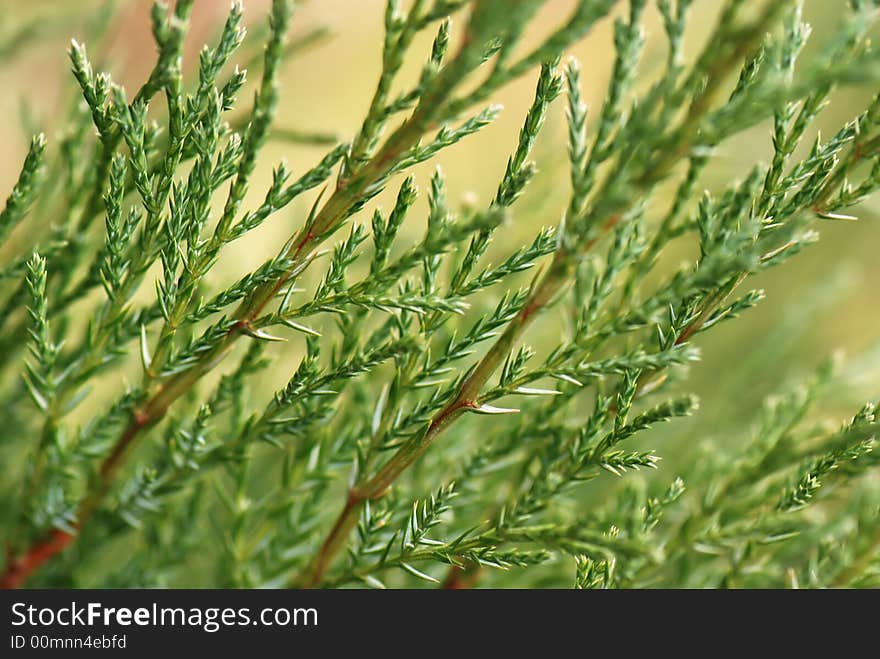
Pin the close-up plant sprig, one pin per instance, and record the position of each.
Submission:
(416, 387)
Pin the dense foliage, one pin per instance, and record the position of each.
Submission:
(420, 439)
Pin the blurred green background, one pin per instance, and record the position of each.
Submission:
(823, 301)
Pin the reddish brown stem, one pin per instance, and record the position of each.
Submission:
(19, 570)
(544, 290)
(331, 544)
(461, 577)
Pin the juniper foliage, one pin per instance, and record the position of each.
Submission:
(419, 439)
